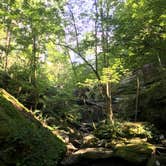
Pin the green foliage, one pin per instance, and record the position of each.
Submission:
(114, 72)
(106, 131)
(139, 34)
(123, 130)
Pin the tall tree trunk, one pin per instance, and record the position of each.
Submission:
(103, 41)
(137, 99)
(109, 103)
(96, 38)
(105, 45)
(72, 66)
(159, 60)
(34, 72)
(7, 47)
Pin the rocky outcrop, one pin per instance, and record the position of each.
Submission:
(132, 151)
(151, 98)
(24, 140)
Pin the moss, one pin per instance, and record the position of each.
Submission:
(23, 138)
(136, 152)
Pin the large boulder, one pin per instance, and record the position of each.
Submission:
(87, 154)
(24, 140)
(94, 153)
(133, 152)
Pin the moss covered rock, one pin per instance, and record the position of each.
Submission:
(128, 141)
(23, 139)
(136, 151)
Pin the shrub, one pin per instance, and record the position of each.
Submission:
(124, 130)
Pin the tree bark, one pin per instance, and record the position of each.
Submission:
(78, 47)
(7, 48)
(137, 99)
(96, 39)
(105, 45)
(109, 103)
(72, 66)
(34, 72)
(82, 57)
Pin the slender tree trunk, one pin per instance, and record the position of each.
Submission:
(34, 67)
(82, 57)
(159, 60)
(7, 48)
(103, 41)
(34, 72)
(109, 103)
(72, 66)
(96, 39)
(105, 45)
(137, 99)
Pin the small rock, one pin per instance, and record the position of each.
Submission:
(94, 153)
(71, 148)
(157, 163)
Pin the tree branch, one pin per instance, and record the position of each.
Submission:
(81, 56)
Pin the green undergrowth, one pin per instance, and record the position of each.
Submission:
(24, 141)
(124, 130)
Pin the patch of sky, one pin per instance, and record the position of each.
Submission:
(83, 11)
